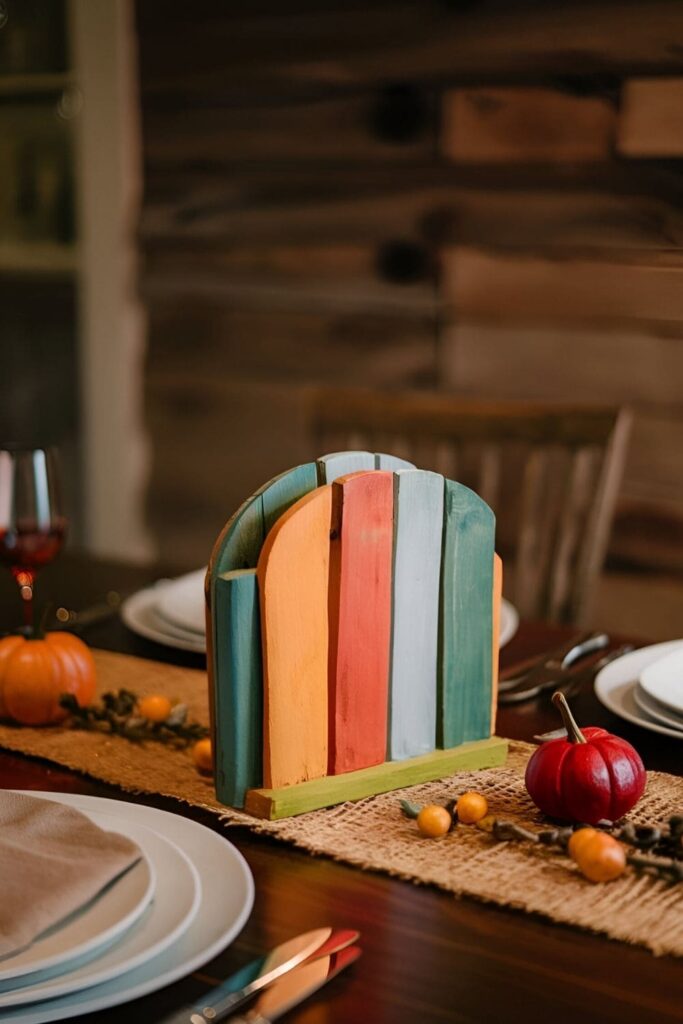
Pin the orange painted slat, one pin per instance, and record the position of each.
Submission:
(360, 619)
(497, 598)
(293, 573)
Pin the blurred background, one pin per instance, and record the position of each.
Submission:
(209, 207)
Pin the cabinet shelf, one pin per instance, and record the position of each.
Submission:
(46, 259)
(33, 84)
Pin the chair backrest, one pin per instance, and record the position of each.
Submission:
(550, 472)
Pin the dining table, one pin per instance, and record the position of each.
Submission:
(427, 956)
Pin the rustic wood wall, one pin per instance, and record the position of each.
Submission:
(481, 196)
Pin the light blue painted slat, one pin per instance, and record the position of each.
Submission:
(465, 663)
(239, 697)
(391, 462)
(340, 463)
(418, 526)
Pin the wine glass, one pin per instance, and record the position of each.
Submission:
(32, 521)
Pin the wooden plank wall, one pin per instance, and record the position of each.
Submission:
(485, 197)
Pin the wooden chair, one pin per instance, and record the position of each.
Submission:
(550, 472)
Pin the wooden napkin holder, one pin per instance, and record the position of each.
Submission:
(353, 610)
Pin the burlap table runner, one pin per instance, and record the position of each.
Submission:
(374, 834)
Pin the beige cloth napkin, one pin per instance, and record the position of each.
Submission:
(53, 860)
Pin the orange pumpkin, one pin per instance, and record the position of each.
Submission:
(35, 673)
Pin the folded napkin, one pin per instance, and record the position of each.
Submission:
(53, 860)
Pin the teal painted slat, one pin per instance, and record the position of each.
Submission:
(233, 673)
(239, 697)
(418, 526)
(340, 463)
(281, 493)
(391, 462)
(465, 642)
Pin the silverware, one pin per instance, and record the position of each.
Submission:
(235, 990)
(577, 680)
(296, 986)
(552, 670)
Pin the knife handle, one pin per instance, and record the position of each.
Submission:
(204, 1012)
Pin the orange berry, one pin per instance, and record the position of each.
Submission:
(155, 707)
(471, 807)
(601, 858)
(202, 755)
(577, 841)
(434, 821)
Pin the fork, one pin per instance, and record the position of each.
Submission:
(552, 669)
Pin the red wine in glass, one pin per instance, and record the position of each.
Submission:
(32, 524)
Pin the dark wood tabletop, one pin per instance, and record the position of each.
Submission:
(426, 956)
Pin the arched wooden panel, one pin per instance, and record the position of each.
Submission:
(418, 525)
(233, 633)
(293, 572)
(360, 619)
(466, 634)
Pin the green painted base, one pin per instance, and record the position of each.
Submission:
(336, 789)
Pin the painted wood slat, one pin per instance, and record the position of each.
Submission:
(342, 463)
(418, 523)
(495, 636)
(360, 619)
(392, 462)
(234, 673)
(308, 796)
(293, 572)
(286, 489)
(239, 698)
(466, 613)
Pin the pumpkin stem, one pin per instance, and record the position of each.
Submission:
(573, 732)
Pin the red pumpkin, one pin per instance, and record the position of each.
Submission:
(35, 673)
(588, 777)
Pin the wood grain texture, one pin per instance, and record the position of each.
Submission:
(525, 125)
(238, 695)
(308, 796)
(418, 525)
(495, 635)
(532, 289)
(337, 464)
(293, 572)
(466, 612)
(360, 619)
(327, 47)
(651, 117)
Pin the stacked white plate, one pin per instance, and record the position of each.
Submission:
(646, 687)
(172, 613)
(178, 907)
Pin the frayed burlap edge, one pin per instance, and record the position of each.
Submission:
(373, 833)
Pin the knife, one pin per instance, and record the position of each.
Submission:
(230, 994)
(296, 986)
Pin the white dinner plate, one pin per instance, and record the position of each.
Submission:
(663, 681)
(176, 902)
(509, 622)
(142, 613)
(139, 613)
(614, 685)
(91, 928)
(226, 900)
(181, 602)
(655, 710)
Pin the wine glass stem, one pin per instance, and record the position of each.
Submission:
(26, 591)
